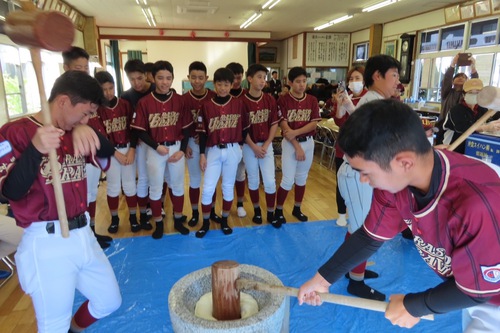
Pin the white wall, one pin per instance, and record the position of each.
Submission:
(181, 53)
(300, 52)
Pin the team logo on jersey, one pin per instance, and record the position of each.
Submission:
(163, 119)
(71, 170)
(435, 257)
(115, 125)
(299, 115)
(5, 148)
(491, 273)
(259, 116)
(224, 121)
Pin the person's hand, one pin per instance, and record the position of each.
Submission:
(203, 162)
(177, 156)
(300, 155)
(122, 159)
(130, 156)
(162, 150)
(308, 291)
(259, 151)
(396, 313)
(85, 141)
(189, 152)
(46, 138)
(492, 126)
(289, 134)
(472, 64)
(454, 60)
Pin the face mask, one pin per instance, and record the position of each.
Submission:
(470, 99)
(356, 86)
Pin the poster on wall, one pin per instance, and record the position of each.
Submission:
(327, 49)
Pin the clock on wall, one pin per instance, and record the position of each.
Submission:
(406, 57)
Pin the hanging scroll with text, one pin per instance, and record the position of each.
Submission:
(327, 50)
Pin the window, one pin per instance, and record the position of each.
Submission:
(429, 41)
(483, 33)
(21, 89)
(452, 38)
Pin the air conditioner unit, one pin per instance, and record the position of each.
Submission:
(197, 7)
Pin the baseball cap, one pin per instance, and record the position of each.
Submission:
(473, 84)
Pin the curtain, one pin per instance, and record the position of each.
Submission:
(115, 59)
(134, 54)
(252, 54)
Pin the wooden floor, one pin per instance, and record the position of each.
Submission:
(16, 311)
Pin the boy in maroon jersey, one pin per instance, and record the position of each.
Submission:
(116, 118)
(193, 100)
(258, 153)
(238, 91)
(450, 203)
(221, 125)
(164, 126)
(49, 266)
(300, 112)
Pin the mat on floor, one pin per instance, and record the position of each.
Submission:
(146, 269)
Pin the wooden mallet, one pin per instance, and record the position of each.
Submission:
(53, 31)
(488, 97)
(226, 284)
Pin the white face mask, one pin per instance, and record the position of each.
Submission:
(356, 86)
(470, 99)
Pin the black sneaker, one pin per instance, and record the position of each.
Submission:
(298, 214)
(145, 224)
(134, 226)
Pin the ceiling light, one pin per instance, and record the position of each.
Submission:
(270, 4)
(251, 20)
(332, 22)
(274, 4)
(321, 27)
(341, 19)
(379, 5)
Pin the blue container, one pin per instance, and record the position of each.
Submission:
(484, 147)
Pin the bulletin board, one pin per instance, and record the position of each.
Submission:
(327, 49)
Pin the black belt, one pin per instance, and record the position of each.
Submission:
(77, 222)
(225, 145)
(167, 143)
(121, 145)
(302, 138)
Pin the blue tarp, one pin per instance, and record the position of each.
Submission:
(146, 269)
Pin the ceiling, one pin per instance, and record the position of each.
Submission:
(286, 19)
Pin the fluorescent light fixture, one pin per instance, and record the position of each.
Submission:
(270, 4)
(323, 26)
(341, 19)
(251, 20)
(274, 4)
(264, 6)
(379, 5)
(329, 24)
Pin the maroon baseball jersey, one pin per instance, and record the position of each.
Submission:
(222, 123)
(95, 122)
(458, 232)
(116, 120)
(262, 114)
(299, 112)
(192, 105)
(163, 121)
(39, 203)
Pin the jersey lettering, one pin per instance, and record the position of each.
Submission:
(115, 124)
(163, 119)
(299, 115)
(73, 169)
(435, 257)
(259, 116)
(224, 121)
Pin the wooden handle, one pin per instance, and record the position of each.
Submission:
(355, 302)
(54, 163)
(472, 129)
